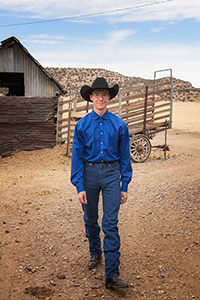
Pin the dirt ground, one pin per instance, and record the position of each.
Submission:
(43, 249)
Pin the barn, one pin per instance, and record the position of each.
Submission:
(28, 100)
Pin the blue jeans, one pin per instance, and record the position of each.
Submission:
(106, 178)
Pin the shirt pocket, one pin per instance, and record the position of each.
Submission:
(91, 144)
(113, 143)
(89, 141)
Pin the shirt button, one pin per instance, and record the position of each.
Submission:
(100, 132)
(101, 142)
(101, 151)
(100, 123)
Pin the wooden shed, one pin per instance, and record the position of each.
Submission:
(29, 103)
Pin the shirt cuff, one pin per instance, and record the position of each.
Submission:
(124, 187)
(80, 187)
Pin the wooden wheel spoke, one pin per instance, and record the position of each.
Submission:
(140, 148)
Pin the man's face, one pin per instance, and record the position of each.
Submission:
(100, 99)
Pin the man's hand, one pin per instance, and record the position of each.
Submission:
(124, 197)
(82, 197)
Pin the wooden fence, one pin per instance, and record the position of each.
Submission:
(146, 109)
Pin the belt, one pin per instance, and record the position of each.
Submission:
(102, 162)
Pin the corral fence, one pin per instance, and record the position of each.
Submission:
(146, 109)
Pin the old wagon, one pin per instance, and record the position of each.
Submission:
(146, 109)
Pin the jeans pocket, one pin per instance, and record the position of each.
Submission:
(113, 167)
(88, 166)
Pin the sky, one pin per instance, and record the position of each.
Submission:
(134, 38)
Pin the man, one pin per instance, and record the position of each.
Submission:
(100, 160)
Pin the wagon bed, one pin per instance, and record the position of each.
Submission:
(147, 110)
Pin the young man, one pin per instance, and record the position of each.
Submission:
(101, 162)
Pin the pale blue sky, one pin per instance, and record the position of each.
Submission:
(134, 42)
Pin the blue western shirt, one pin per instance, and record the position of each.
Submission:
(100, 139)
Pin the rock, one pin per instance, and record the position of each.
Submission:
(61, 276)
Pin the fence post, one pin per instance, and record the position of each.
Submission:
(145, 110)
(120, 105)
(165, 146)
(69, 132)
(59, 117)
(171, 103)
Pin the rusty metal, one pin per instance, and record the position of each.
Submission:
(22, 123)
(139, 148)
(162, 147)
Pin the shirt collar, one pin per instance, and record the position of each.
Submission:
(96, 116)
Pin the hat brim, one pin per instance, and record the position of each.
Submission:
(86, 91)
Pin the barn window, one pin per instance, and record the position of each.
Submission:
(14, 82)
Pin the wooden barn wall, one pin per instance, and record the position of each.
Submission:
(22, 123)
(37, 83)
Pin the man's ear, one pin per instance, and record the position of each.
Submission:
(90, 95)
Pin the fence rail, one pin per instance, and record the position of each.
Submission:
(146, 109)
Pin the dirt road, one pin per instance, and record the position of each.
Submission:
(43, 249)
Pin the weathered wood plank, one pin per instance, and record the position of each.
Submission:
(143, 86)
(22, 123)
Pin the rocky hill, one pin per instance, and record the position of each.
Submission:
(72, 79)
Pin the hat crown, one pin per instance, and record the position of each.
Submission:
(100, 83)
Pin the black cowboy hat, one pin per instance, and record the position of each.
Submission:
(99, 83)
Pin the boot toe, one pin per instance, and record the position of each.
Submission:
(94, 262)
(115, 282)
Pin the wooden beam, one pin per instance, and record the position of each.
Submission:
(75, 114)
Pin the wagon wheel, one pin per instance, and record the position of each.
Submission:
(140, 148)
